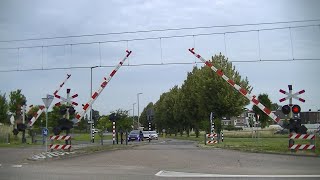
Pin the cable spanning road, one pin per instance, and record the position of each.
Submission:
(168, 159)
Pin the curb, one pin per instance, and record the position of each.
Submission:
(260, 152)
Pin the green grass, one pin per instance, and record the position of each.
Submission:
(86, 137)
(271, 144)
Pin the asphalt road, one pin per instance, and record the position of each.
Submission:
(169, 159)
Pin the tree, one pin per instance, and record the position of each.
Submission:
(275, 106)
(17, 100)
(143, 118)
(104, 124)
(123, 121)
(202, 92)
(263, 118)
(3, 109)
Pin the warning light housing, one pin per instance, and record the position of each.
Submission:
(296, 109)
(286, 109)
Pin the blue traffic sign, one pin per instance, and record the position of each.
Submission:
(45, 132)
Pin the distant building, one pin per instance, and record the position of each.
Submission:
(226, 121)
(243, 119)
(310, 117)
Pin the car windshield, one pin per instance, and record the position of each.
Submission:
(134, 132)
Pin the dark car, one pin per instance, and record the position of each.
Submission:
(135, 135)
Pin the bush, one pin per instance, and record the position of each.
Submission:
(232, 128)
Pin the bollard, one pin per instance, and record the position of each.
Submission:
(24, 140)
(205, 139)
(221, 136)
(8, 138)
(126, 137)
(121, 137)
(117, 137)
(101, 138)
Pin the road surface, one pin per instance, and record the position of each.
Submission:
(167, 159)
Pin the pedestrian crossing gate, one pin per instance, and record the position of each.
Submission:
(66, 146)
(295, 147)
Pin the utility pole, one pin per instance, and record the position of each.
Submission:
(133, 115)
(90, 118)
(138, 109)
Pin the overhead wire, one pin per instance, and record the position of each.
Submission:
(161, 30)
(162, 37)
(161, 64)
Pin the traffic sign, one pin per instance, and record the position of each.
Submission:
(45, 132)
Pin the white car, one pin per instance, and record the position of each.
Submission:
(153, 134)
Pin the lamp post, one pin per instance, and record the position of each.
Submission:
(133, 115)
(47, 101)
(90, 118)
(138, 109)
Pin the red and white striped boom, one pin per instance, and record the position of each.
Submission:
(68, 76)
(36, 116)
(41, 108)
(243, 91)
(102, 86)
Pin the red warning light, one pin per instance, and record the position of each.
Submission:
(296, 109)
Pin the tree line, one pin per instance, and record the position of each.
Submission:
(188, 107)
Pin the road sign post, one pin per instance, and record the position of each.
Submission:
(47, 101)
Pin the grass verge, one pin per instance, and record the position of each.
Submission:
(266, 144)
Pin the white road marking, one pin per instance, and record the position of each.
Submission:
(198, 175)
(17, 166)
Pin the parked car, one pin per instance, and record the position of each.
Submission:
(135, 135)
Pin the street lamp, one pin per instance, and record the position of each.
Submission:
(138, 109)
(133, 114)
(91, 124)
(47, 102)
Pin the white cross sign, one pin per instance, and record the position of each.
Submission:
(290, 95)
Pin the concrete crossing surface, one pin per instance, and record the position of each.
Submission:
(164, 159)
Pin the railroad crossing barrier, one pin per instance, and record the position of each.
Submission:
(66, 146)
(211, 136)
(294, 147)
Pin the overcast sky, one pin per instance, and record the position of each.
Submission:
(36, 19)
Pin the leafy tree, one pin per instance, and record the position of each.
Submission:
(143, 118)
(104, 124)
(275, 106)
(3, 109)
(188, 107)
(17, 100)
(263, 118)
(123, 121)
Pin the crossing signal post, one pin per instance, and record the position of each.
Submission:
(297, 131)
